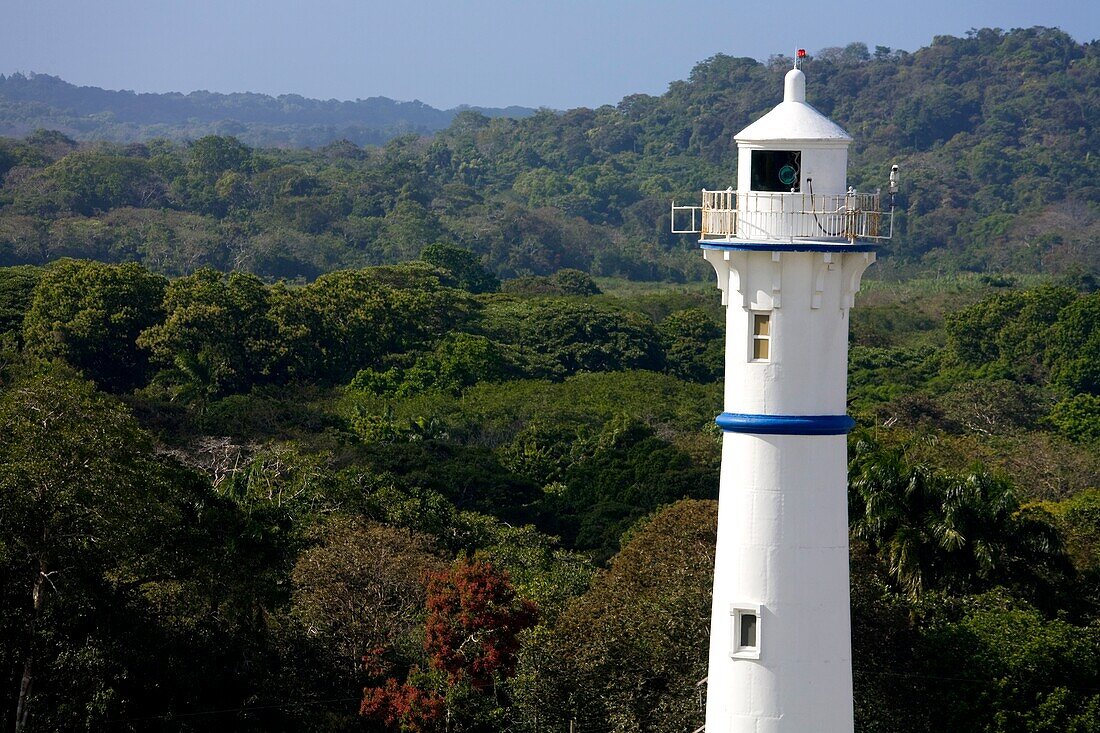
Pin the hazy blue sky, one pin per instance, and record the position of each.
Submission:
(556, 53)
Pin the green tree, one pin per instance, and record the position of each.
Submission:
(694, 345)
(557, 337)
(17, 286)
(463, 265)
(407, 229)
(349, 320)
(629, 653)
(213, 181)
(1078, 520)
(460, 360)
(93, 182)
(569, 281)
(1074, 350)
(618, 476)
(563, 282)
(539, 569)
(1011, 669)
(91, 315)
(211, 156)
(218, 336)
(74, 477)
(1007, 335)
(1078, 418)
(956, 532)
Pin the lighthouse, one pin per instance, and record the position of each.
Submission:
(789, 245)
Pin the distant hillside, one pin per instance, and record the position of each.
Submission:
(30, 102)
(995, 134)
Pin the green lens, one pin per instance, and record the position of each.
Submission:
(787, 175)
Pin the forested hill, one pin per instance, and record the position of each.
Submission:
(995, 134)
(32, 101)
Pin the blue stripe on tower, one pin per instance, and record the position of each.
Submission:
(807, 246)
(734, 422)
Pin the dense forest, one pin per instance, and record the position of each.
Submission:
(994, 134)
(232, 505)
(421, 437)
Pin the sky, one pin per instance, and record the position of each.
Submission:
(553, 53)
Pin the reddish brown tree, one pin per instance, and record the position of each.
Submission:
(404, 707)
(472, 642)
(474, 621)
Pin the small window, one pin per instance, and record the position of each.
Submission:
(748, 631)
(761, 336)
(745, 641)
(776, 170)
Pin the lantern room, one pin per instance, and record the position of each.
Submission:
(791, 183)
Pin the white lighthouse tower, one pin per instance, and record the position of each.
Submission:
(789, 246)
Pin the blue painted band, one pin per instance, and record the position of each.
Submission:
(733, 422)
(739, 246)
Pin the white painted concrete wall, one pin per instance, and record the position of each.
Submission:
(808, 295)
(783, 544)
(782, 520)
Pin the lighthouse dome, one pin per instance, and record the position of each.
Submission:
(793, 119)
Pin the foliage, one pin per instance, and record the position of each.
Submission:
(460, 360)
(349, 320)
(73, 470)
(91, 182)
(618, 476)
(556, 337)
(539, 569)
(1007, 334)
(91, 315)
(17, 286)
(629, 652)
(362, 589)
(935, 530)
(1078, 418)
(463, 265)
(1012, 669)
(218, 336)
(403, 707)
(1074, 353)
(884, 645)
(292, 531)
(694, 345)
(993, 132)
(472, 639)
(1078, 519)
(563, 282)
(474, 621)
(74, 479)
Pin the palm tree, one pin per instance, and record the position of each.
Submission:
(933, 529)
(892, 505)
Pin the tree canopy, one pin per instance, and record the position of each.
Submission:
(993, 133)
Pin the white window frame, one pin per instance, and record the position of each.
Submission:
(737, 610)
(753, 337)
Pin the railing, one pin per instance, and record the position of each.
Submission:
(733, 214)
